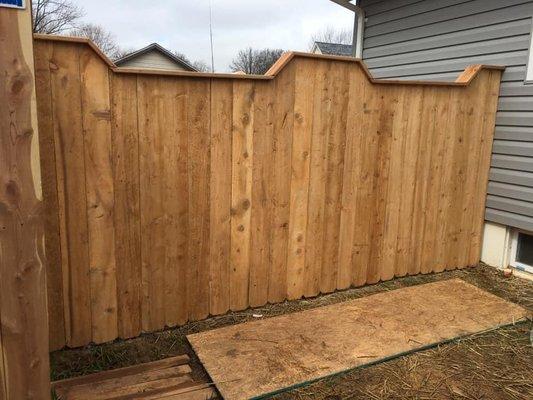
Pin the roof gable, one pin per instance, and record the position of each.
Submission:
(336, 49)
(157, 48)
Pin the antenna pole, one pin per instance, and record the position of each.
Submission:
(211, 37)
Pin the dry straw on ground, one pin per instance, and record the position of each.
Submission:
(492, 365)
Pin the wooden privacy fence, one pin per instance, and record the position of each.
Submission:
(173, 196)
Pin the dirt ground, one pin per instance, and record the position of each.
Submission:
(492, 365)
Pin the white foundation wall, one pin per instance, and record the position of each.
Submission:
(496, 246)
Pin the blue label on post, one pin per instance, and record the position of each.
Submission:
(13, 3)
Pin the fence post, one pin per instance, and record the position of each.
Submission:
(24, 361)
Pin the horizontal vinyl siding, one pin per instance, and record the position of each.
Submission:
(436, 40)
(152, 60)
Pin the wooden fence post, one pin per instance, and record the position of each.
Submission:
(24, 368)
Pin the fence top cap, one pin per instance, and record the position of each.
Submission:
(463, 79)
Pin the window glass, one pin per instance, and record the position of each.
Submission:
(524, 250)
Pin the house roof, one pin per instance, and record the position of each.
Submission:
(336, 49)
(161, 49)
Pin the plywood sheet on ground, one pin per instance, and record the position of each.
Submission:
(256, 358)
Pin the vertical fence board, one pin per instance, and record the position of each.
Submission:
(299, 196)
(198, 171)
(474, 139)
(152, 136)
(54, 277)
(337, 119)
(125, 136)
(70, 167)
(483, 167)
(317, 179)
(391, 228)
(365, 198)
(436, 152)
(217, 193)
(3, 394)
(96, 105)
(422, 175)
(404, 250)
(281, 159)
(220, 197)
(241, 198)
(358, 87)
(24, 343)
(262, 170)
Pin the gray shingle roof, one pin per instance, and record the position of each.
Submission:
(336, 49)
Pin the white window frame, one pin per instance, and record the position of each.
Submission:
(514, 251)
(529, 66)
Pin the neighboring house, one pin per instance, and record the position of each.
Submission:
(436, 40)
(154, 56)
(334, 49)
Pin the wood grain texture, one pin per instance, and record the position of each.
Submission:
(220, 196)
(198, 163)
(300, 162)
(220, 192)
(72, 192)
(96, 104)
(281, 352)
(125, 159)
(24, 343)
(241, 193)
(54, 274)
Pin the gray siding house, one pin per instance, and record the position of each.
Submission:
(154, 56)
(436, 40)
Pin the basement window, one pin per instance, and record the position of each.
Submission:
(522, 251)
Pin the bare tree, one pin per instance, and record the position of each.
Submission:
(198, 65)
(253, 61)
(332, 35)
(55, 16)
(201, 66)
(104, 39)
(120, 52)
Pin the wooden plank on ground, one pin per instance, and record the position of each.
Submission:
(116, 373)
(125, 136)
(163, 379)
(96, 108)
(288, 350)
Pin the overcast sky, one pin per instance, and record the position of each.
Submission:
(183, 25)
